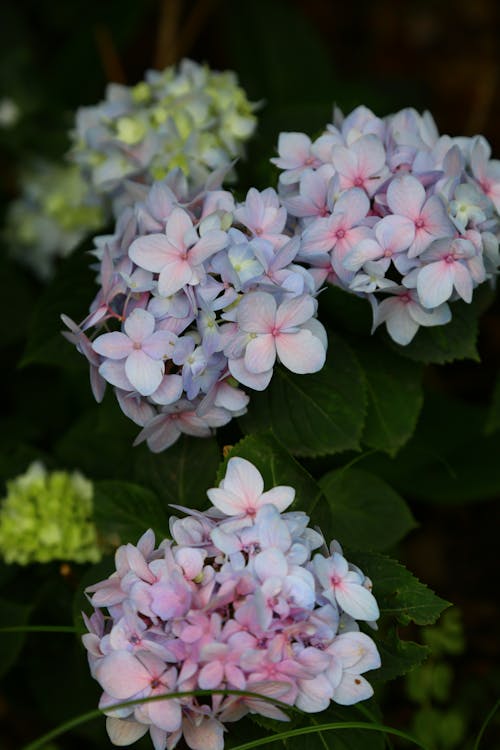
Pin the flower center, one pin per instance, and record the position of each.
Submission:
(419, 223)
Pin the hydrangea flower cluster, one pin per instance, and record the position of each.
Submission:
(207, 296)
(55, 212)
(239, 599)
(392, 211)
(48, 516)
(188, 117)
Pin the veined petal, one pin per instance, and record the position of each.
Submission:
(260, 353)
(144, 373)
(179, 226)
(173, 277)
(462, 281)
(210, 243)
(257, 381)
(352, 689)
(300, 352)
(150, 252)
(294, 312)
(124, 732)
(395, 233)
(368, 249)
(243, 478)
(114, 345)
(406, 196)
(281, 497)
(166, 715)
(159, 345)
(139, 325)
(401, 326)
(435, 283)
(357, 601)
(122, 675)
(354, 204)
(256, 312)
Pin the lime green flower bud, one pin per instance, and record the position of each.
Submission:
(48, 516)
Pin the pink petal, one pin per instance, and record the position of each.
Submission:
(406, 196)
(159, 345)
(354, 204)
(144, 373)
(436, 218)
(357, 601)
(365, 250)
(114, 345)
(209, 735)
(344, 161)
(179, 227)
(281, 497)
(395, 233)
(294, 312)
(260, 353)
(122, 732)
(211, 675)
(210, 243)
(300, 352)
(139, 325)
(122, 675)
(167, 714)
(352, 689)
(435, 283)
(150, 252)
(371, 154)
(401, 326)
(169, 390)
(256, 312)
(257, 381)
(114, 372)
(462, 281)
(173, 276)
(293, 149)
(243, 478)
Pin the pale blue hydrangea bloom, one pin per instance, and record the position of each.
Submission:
(56, 210)
(188, 117)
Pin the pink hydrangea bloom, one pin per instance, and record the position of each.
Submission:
(388, 204)
(234, 601)
(175, 334)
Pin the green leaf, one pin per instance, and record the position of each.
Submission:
(398, 657)
(70, 292)
(365, 512)
(126, 510)
(455, 340)
(395, 397)
(11, 613)
(493, 416)
(277, 467)
(313, 415)
(398, 592)
(348, 739)
(449, 459)
(100, 442)
(345, 312)
(183, 473)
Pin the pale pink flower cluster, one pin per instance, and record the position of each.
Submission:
(390, 210)
(237, 600)
(197, 296)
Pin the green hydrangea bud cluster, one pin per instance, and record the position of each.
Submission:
(188, 116)
(54, 213)
(48, 516)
